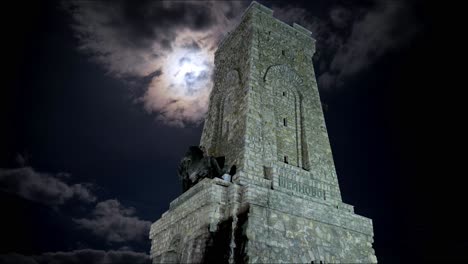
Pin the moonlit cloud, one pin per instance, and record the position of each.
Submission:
(180, 94)
(175, 39)
(45, 188)
(115, 223)
(170, 44)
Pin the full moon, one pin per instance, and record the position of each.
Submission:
(188, 70)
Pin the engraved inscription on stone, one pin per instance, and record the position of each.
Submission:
(301, 188)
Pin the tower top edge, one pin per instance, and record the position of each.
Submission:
(254, 5)
(258, 6)
(268, 11)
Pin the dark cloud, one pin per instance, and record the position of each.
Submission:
(14, 258)
(21, 160)
(291, 14)
(108, 220)
(88, 256)
(115, 223)
(350, 40)
(379, 31)
(139, 24)
(134, 39)
(340, 17)
(44, 188)
(104, 28)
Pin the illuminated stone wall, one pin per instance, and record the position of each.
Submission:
(265, 112)
(265, 117)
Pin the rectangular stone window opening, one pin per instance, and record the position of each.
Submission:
(286, 159)
(285, 122)
(284, 93)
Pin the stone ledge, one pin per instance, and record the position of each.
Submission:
(275, 200)
(258, 6)
(302, 29)
(207, 193)
(195, 189)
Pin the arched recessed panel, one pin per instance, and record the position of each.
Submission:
(282, 87)
(228, 128)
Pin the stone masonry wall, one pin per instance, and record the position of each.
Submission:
(183, 233)
(264, 79)
(278, 228)
(286, 229)
(265, 117)
(282, 62)
(224, 129)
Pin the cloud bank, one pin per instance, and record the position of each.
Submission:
(170, 44)
(88, 256)
(115, 223)
(109, 220)
(44, 188)
(351, 39)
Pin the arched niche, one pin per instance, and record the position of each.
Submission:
(285, 122)
(228, 100)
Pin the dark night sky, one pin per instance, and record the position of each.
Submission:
(68, 120)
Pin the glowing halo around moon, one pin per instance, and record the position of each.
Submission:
(180, 94)
(188, 70)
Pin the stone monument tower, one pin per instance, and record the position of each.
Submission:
(284, 202)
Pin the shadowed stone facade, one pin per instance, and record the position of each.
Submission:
(284, 204)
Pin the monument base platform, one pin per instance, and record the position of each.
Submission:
(222, 222)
